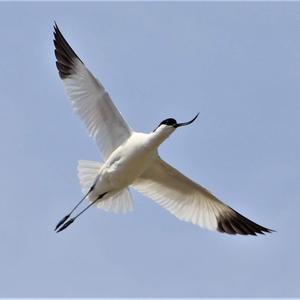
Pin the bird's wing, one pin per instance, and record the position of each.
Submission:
(89, 98)
(190, 202)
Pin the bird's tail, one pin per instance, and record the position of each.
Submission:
(119, 202)
(87, 172)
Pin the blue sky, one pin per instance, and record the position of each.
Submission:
(236, 63)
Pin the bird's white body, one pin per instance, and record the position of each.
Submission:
(129, 161)
(131, 158)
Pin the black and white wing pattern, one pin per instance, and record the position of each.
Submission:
(89, 98)
(190, 202)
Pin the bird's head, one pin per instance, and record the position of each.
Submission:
(168, 126)
(171, 124)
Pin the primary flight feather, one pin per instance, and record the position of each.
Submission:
(131, 158)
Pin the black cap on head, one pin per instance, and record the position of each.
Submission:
(169, 122)
(172, 122)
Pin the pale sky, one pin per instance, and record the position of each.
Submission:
(238, 64)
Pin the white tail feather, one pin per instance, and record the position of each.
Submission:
(87, 172)
(120, 202)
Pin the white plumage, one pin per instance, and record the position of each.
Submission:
(181, 196)
(121, 202)
(94, 106)
(131, 158)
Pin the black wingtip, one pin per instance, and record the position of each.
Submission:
(65, 55)
(235, 223)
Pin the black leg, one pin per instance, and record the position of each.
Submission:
(65, 225)
(65, 218)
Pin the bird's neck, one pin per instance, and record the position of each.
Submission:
(158, 137)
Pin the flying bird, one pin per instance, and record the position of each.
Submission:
(131, 158)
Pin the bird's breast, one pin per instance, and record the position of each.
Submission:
(127, 163)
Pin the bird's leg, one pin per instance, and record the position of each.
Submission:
(65, 218)
(65, 225)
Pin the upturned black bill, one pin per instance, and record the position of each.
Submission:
(187, 123)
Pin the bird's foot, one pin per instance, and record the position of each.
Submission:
(62, 221)
(65, 225)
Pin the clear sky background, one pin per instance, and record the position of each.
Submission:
(238, 64)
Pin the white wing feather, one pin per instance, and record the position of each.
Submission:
(181, 196)
(95, 107)
(190, 202)
(89, 99)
